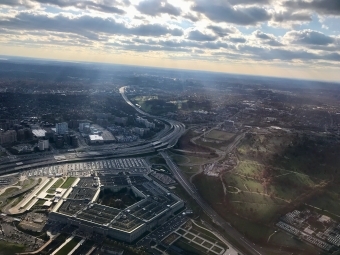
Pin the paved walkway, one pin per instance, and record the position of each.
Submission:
(61, 246)
(76, 247)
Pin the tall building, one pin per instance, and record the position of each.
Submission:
(61, 128)
(73, 124)
(9, 136)
(74, 140)
(84, 127)
(43, 145)
(145, 122)
(59, 142)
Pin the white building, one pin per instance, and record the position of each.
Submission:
(61, 128)
(96, 139)
(43, 145)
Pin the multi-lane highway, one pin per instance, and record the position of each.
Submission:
(167, 138)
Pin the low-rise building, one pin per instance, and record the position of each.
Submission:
(8, 137)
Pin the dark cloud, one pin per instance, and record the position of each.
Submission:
(269, 54)
(97, 5)
(85, 25)
(149, 48)
(199, 36)
(237, 39)
(292, 16)
(220, 31)
(216, 45)
(191, 17)
(222, 11)
(309, 37)
(23, 3)
(331, 7)
(267, 39)
(261, 35)
(157, 7)
(184, 44)
(249, 2)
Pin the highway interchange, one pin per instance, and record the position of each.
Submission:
(164, 140)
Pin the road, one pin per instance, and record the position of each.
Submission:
(251, 249)
(165, 139)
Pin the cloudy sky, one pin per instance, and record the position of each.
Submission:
(289, 38)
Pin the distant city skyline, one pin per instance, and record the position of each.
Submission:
(283, 38)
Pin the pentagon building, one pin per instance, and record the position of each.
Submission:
(79, 206)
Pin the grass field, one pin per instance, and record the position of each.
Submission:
(285, 240)
(69, 181)
(257, 231)
(7, 248)
(38, 204)
(216, 144)
(329, 201)
(188, 159)
(274, 176)
(48, 183)
(26, 183)
(219, 135)
(184, 143)
(180, 159)
(69, 246)
(206, 234)
(190, 170)
(141, 101)
(204, 241)
(157, 160)
(9, 191)
(192, 248)
(55, 185)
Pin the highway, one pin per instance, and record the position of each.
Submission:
(170, 138)
(251, 248)
(167, 138)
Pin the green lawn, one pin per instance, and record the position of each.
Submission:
(328, 201)
(243, 183)
(189, 170)
(68, 182)
(179, 159)
(192, 248)
(219, 135)
(55, 185)
(48, 183)
(7, 248)
(216, 144)
(38, 204)
(69, 246)
(249, 168)
(27, 183)
(157, 160)
(188, 158)
(285, 240)
(9, 191)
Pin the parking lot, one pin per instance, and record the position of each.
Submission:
(11, 234)
(133, 165)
